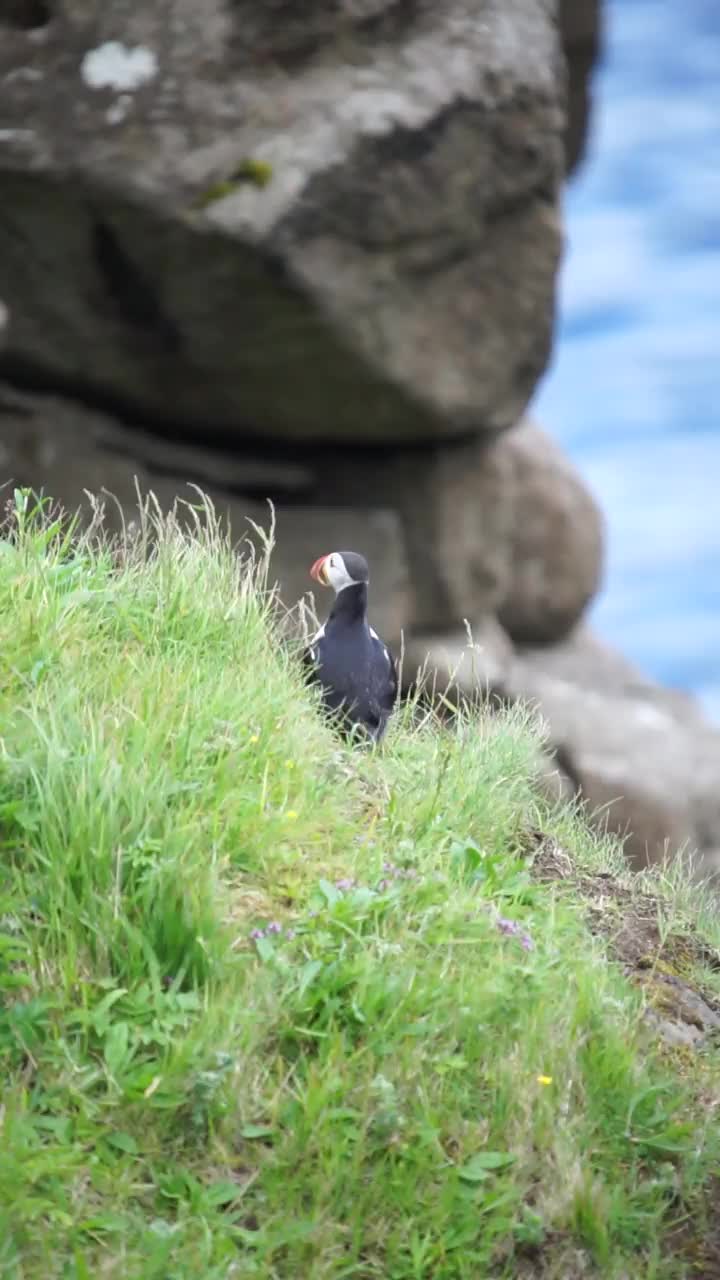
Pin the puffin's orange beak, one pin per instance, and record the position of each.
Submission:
(317, 571)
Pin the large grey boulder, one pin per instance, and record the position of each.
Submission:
(462, 665)
(74, 455)
(581, 26)
(555, 537)
(310, 219)
(644, 760)
(503, 527)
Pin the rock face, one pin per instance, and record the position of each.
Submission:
(306, 251)
(65, 450)
(484, 531)
(460, 665)
(580, 23)
(503, 527)
(652, 951)
(301, 220)
(642, 758)
(554, 539)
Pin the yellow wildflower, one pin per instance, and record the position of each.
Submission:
(544, 1079)
(291, 814)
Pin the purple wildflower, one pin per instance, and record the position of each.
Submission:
(383, 886)
(274, 927)
(256, 934)
(512, 928)
(345, 883)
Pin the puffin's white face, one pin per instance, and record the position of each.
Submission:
(336, 572)
(332, 571)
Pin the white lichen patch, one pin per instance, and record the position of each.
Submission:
(16, 135)
(119, 109)
(29, 74)
(113, 66)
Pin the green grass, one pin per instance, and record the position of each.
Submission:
(388, 1086)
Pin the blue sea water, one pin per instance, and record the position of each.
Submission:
(634, 388)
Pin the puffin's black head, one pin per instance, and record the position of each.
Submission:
(340, 569)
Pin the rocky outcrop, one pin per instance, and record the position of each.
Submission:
(581, 27)
(504, 530)
(662, 954)
(459, 540)
(69, 453)
(504, 527)
(307, 252)
(310, 221)
(643, 759)
(554, 540)
(470, 664)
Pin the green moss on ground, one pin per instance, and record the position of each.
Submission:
(255, 173)
(425, 1063)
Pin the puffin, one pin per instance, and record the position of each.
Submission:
(346, 658)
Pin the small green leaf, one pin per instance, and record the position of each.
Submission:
(222, 1192)
(123, 1142)
(308, 973)
(265, 949)
(471, 1173)
(329, 892)
(357, 1012)
(14, 981)
(666, 1146)
(256, 1131)
(111, 1222)
(81, 1268)
(20, 498)
(483, 1163)
(116, 1047)
(97, 1016)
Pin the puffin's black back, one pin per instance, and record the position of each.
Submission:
(354, 668)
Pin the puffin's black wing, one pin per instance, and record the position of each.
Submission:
(358, 678)
(308, 664)
(311, 659)
(314, 666)
(384, 684)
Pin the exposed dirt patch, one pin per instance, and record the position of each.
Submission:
(556, 1259)
(665, 959)
(696, 1239)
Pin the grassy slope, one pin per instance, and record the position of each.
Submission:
(391, 1086)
